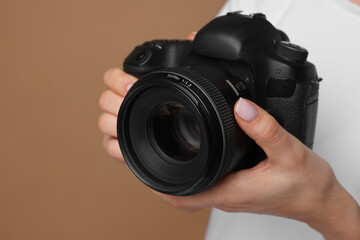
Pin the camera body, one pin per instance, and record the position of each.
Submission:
(196, 84)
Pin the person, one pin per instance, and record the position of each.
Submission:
(295, 187)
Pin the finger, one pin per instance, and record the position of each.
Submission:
(265, 130)
(107, 124)
(110, 102)
(186, 202)
(111, 146)
(191, 36)
(164, 197)
(218, 195)
(118, 81)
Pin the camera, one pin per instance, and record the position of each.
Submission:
(176, 127)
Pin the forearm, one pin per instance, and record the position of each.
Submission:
(337, 218)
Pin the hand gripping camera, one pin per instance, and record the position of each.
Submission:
(176, 127)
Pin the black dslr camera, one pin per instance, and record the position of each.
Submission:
(176, 127)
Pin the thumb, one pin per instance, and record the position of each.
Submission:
(264, 129)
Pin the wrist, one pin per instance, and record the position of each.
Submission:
(338, 216)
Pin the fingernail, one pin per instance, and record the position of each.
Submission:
(245, 110)
(108, 73)
(129, 86)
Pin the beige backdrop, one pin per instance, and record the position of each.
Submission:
(56, 182)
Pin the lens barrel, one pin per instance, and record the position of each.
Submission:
(177, 132)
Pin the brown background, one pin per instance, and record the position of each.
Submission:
(56, 182)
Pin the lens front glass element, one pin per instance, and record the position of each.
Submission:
(176, 131)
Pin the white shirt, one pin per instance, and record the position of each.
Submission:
(330, 30)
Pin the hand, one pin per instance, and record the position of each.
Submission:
(110, 100)
(292, 182)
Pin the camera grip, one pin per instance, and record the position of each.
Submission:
(298, 112)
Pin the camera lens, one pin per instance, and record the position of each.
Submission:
(176, 131)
